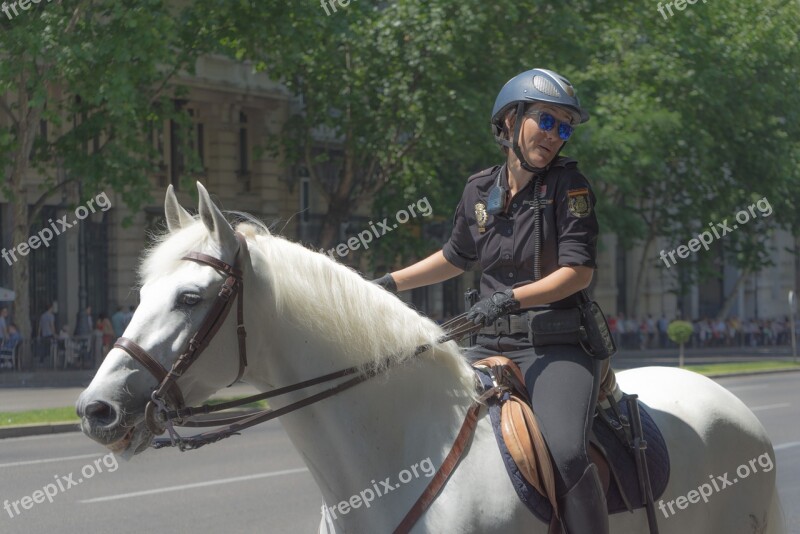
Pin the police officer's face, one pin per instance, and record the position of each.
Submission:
(539, 146)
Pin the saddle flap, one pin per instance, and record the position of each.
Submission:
(526, 444)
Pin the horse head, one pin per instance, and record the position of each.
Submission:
(178, 299)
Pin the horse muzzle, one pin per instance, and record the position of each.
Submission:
(101, 419)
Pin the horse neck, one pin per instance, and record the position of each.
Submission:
(374, 430)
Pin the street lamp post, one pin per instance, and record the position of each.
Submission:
(791, 316)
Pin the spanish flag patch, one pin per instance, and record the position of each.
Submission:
(578, 202)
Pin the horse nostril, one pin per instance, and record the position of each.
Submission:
(100, 413)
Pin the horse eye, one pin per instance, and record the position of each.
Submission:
(189, 299)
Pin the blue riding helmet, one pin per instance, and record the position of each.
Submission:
(536, 85)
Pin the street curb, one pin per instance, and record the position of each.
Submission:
(753, 373)
(20, 431)
(37, 429)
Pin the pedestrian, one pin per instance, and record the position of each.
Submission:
(3, 324)
(14, 337)
(84, 325)
(633, 333)
(651, 331)
(612, 326)
(118, 321)
(533, 264)
(129, 315)
(622, 328)
(663, 325)
(47, 331)
(106, 329)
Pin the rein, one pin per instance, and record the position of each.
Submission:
(457, 328)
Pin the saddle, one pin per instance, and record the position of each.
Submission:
(611, 449)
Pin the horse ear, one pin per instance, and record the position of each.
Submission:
(217, 225)
(177, 216)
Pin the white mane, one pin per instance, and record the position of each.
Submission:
(370, 326)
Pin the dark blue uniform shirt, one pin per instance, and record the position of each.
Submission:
(503, 246)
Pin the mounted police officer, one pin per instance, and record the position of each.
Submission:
(530, 225)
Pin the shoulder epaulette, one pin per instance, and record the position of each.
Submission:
(484, 172)
(565, 161)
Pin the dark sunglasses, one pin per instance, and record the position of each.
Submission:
(546, 122)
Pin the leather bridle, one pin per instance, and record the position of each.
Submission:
(157, 409)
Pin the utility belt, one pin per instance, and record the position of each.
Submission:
(543, 327)
(584, 325)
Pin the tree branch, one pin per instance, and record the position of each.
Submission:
(37, 206)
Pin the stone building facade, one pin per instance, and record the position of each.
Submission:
(233, 109)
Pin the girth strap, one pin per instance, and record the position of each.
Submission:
(448, 466)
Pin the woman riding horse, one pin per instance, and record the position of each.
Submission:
(497, 226)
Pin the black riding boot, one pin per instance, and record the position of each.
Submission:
(583, 508)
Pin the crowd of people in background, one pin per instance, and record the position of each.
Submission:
(651, 333)
(629, 333)
(89, 331)
(106, 329)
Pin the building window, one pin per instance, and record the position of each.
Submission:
(305, 199)
(176, 155)
(200, 148)
(187, 148)
(244, 153)
(43, 271)
(157, 140)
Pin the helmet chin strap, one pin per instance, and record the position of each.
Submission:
(518, 150)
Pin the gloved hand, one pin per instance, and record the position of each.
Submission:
(487, 311)
(386, 282)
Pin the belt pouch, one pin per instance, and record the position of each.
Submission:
(599, 338)
(554, 327)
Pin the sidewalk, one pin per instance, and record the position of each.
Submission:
(22, 399)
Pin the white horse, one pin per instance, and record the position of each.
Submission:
(307, 315)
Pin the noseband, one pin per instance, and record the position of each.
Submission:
(168, 389)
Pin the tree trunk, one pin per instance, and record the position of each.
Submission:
(329, 232)
(680, 357)
(640, 276)
(28, 126)
(796, 265)
(341, 204)
(729, 299)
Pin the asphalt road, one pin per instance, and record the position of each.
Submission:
(256, 482)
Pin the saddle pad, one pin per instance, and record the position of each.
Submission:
(618, 454)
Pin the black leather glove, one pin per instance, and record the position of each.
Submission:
(386, 282)
(487, 311)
